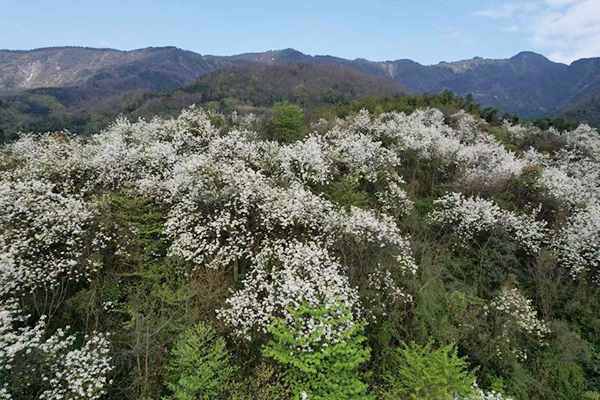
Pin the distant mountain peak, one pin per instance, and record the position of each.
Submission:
(527, 53)
(530, 56)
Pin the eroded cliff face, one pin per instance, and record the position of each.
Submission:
(72, 66)
(55, 67)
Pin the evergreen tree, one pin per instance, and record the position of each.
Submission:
(287, 123)
(201, 366)
(313, 363)
(420, 372)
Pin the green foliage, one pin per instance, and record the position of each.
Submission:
(327, 371)
(560, 122)
(200, 367)
(446, 102)
(286, 124)
(141, 297)
(19, 380)
(424, 373)
(262, 383)
(347, 193)
(490, 114)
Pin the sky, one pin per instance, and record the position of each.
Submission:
(425, 31)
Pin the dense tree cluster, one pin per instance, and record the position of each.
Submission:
(380, 255)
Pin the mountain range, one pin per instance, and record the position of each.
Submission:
(50, 81)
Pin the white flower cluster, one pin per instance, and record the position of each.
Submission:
(287, 274)
(126, 152)
(517, 315)
(235, 198)
(467, 217)
(63, 159)
(584, 142)
(305, 160)
(492, 395)
(68, 372)
(572, 173)
(76, 372)
(131, 152)
(487, 162)
(577, 246)
(222, 211)
(573, 181)
(14, 341)
(425, 134)
(520, 132)
(358, 155)
(361, 227)
(422, 133)
(482, 395)
(233, 195)
(572, 176)
(44, 236)
(225, 212)
(383, 292)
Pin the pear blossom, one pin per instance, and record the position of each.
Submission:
(467, 217)
(517, 315)
(69, 371)
(577, 245)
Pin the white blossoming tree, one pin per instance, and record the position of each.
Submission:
(63, 369)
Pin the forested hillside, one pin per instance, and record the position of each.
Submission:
(254, 86)
(246, 87)
(83, 89)
(381, 248)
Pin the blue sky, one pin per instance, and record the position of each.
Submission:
(425, 31)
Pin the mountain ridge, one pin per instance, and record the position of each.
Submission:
(528, 84)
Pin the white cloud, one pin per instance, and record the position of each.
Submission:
(567, 29)
(494, 13)
(560, 2)
(508, 10)
(512, 28)
(574, 31)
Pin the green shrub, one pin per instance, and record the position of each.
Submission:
(314, 364)
(347, 193)
(263, 383)
(200, 367)
(286, 124)
(423, 373)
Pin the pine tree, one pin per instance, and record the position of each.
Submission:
(313, 362)
(201, 366)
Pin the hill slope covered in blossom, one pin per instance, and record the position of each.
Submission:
(374, 255)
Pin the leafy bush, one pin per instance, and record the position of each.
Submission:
(313, 363)
(424, 373)
(201, 366)
(287, 123)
